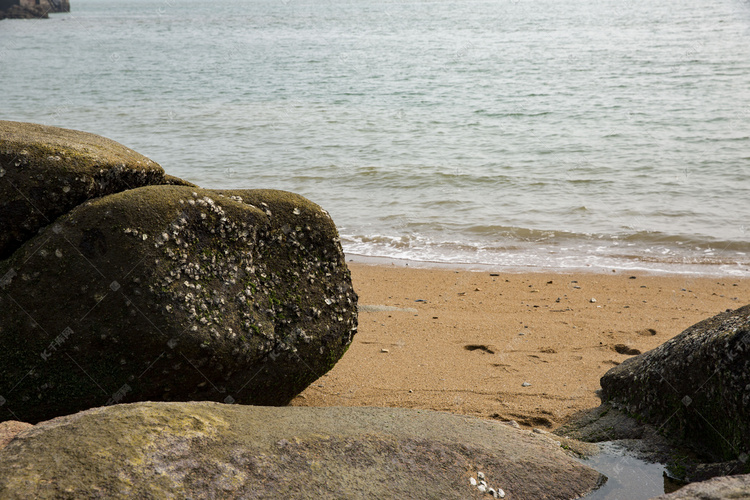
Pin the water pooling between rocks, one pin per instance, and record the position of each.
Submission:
(627, 476)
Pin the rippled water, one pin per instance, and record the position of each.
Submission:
(519, 133)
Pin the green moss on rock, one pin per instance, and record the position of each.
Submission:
(173, 293)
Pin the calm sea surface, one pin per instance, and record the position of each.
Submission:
(611, 134)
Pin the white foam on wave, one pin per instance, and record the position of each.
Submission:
(581, 255)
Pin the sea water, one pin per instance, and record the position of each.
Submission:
(519, 134)
(628, 477)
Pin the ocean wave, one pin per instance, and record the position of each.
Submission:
(533, 249)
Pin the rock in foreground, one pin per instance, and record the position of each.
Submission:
(46, 171)
(173, 293)
(694, 387)
(210, 450)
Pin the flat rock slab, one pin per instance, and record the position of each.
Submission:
(718, 488)
(212, 450)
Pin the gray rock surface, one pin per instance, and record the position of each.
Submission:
(718, 488)
(173, 293)
(9, 430)
(210, 450)
(47, 171)
(695, 387)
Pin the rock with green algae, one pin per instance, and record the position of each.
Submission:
(694, 387)
(211, 450)
(173, 293)
(46, 171)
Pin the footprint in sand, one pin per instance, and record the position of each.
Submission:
(625, 349)
(479, 347)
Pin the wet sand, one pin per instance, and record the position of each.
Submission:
(468, 342)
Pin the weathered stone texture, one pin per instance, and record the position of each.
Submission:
(694, 387)
(210, 450)
(173, 293)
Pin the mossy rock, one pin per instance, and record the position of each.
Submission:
(173, 293)
(211, 450)
(47, 171)
(695, 387)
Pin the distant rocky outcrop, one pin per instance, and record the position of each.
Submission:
(31, 9)
(210, 450)
(23, 12)
(718, 488)
(161, 292)
(695, 387)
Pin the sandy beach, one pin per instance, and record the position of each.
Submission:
(528, 347)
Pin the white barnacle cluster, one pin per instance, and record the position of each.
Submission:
(267, 289)
(139, 234)
(125, 175)
(481, 484)
(266, 209)
(198, 270)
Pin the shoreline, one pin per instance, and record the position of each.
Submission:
(692, 270)
(467, 341)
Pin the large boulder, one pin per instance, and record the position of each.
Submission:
(173, 293)
(211, 450)
(47, 171)
(718, 488)
(694, 387)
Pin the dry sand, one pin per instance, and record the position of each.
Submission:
(466, 342)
